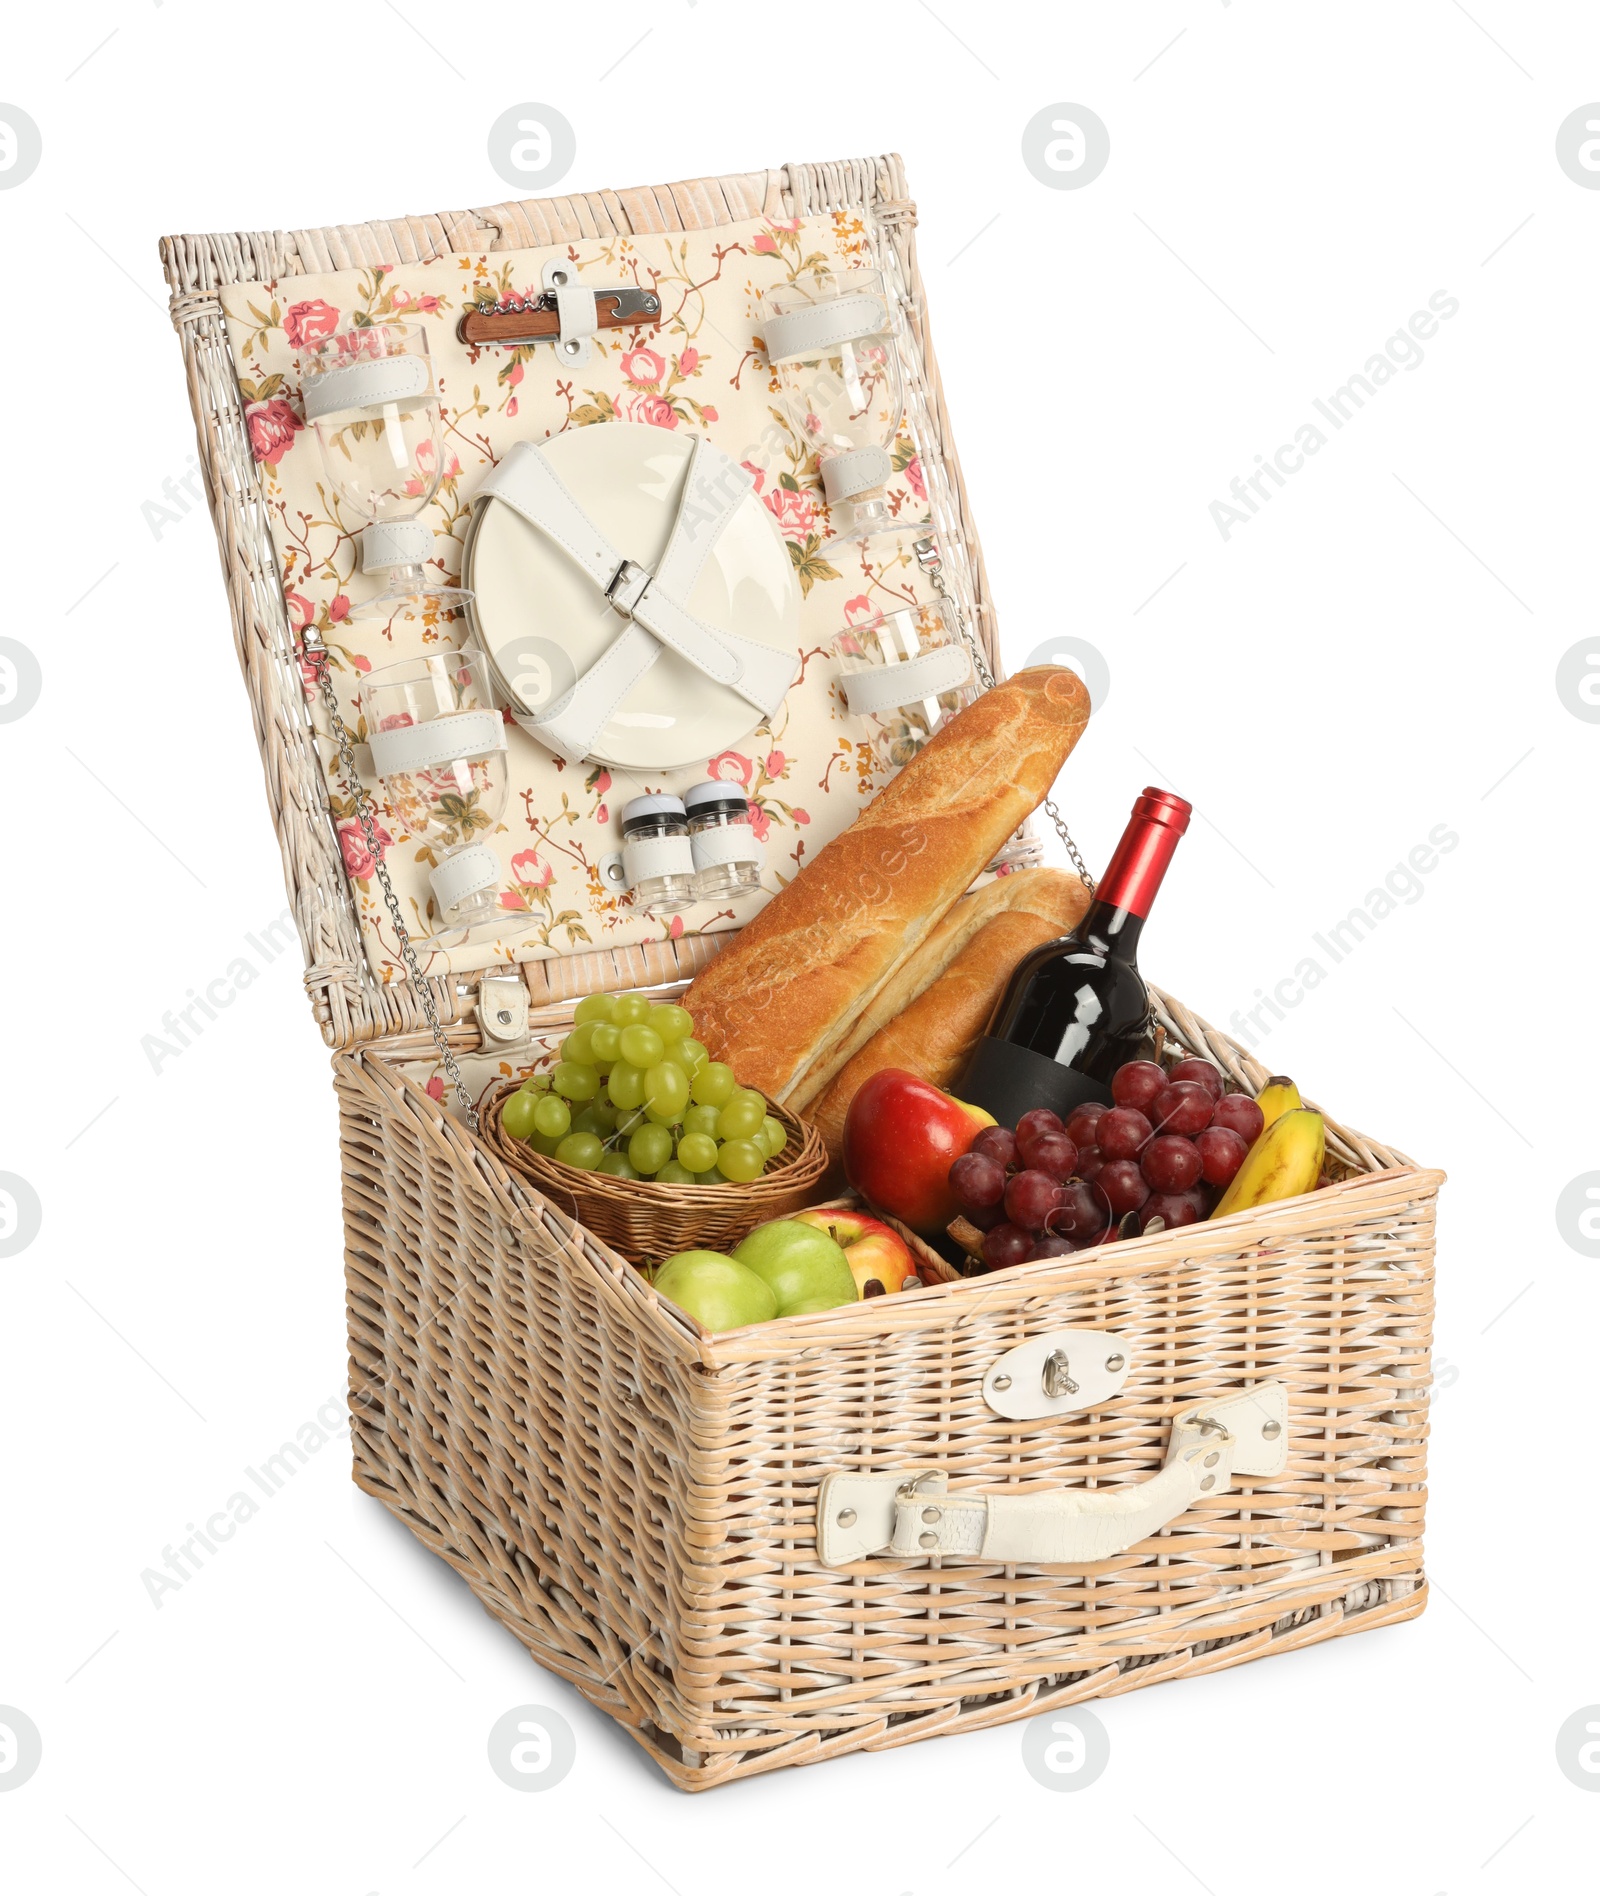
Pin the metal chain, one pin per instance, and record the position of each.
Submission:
(928, 559)
(927, 552)
(1065, 834)
(317, 653)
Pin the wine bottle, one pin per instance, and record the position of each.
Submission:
(1075, 1009)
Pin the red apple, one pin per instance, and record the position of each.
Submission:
(901, 1136)
(875, 1254)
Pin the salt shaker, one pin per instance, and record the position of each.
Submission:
(657, 860)
(727, 852)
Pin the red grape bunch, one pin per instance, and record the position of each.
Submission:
(1164, 1149)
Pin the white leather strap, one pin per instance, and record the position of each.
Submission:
(502, 1009)
(713, 487)
(367, 382)
(526, 481)
(575, 720)
(854, 471)
(800, 333)
(887, 687)
(912, 1515)
(577, 310)
(407, 747)
(759, 673)
(729, 842)
(387, 543)
(465, 873)
(645, 857)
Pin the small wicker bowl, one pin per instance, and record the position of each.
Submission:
(642, 1219)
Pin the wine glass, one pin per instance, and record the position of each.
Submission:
(370, 396)
(906, 672)
(439, 745)
(831, 341)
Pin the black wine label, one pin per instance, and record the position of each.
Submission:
(1008, 1081)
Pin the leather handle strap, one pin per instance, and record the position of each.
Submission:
(912, 1515)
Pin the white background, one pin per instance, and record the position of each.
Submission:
(1371, 656)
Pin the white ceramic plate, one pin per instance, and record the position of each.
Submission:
(543, 622)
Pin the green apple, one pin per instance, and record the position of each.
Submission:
(718, 1292)
(805, 1268)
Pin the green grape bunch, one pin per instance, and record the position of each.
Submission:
(634, 1095)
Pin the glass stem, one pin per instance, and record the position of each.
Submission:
(399, 453)
(406, 580)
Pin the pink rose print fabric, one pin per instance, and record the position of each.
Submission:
(700, 369)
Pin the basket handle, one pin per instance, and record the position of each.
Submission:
(909, 1514)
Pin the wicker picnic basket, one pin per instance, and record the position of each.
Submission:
(639, 1502)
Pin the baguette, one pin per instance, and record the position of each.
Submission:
(934, 1036)
(798, 976)
(1061, 899)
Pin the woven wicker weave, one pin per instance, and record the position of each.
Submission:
(646, 1220)
(637, 1502)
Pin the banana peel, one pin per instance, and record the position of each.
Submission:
(1280, 1095)
(1285, 1161)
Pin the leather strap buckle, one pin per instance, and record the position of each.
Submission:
(629, 584)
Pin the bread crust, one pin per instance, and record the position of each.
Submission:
(935, 1034)
(792, 984)
(1059, 898)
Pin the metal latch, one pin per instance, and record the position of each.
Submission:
(1057, 1377)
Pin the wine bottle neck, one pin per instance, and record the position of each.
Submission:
(1110, 929)
(1140, 859)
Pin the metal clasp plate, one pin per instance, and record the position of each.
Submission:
(1060, 1373)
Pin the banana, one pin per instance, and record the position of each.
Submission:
(1280, 1095)
(1284, 1162)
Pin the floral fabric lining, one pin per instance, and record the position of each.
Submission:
(806, 771)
